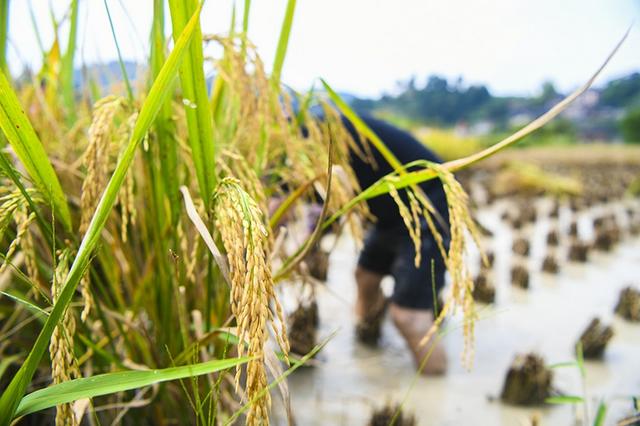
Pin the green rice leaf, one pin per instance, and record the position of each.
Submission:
(601, 414)
(565, 399)
(158, 93)
(580, 360)
(29, 149)
(196, 99)
(563, 364)
(4, 31)
(283, 41)
(105, 384)
(123, 70)
(66, 68)
(25, 302)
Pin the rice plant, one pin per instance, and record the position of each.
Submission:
(138, 249)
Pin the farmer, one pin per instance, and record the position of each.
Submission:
(388, 250)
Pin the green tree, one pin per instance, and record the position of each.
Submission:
(630, 126)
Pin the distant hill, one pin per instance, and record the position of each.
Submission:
(595, 115)
(105, 74)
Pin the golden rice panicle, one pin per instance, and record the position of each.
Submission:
(14, 208)
(460, 221)
(97, 155)
(23, 222)
(63, 364)
(126, 197)
(245, 238)
(96, 162)
(410, 219)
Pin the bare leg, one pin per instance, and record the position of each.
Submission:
(414, 324)
(370, 306)
(370, 295)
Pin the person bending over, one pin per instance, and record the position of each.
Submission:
(388, 250)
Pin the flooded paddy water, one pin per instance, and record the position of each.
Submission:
(349, 380)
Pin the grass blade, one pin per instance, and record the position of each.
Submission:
(283, 41)
(4, 32)
(204, 233)
(123, 70)
(195, 99)
(158, 93)
(601, 414)
(565, 399)
(25, 302)
(563, 364)
(66, 69)
(29, 149)
(120, 381)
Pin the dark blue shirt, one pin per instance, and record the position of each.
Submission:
(406, 148)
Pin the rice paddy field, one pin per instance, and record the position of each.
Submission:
(148, 278)
(348, 381)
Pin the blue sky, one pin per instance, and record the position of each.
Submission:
(366, 46)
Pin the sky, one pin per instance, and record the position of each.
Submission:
(366, 47)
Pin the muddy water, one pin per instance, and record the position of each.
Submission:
(349, 379)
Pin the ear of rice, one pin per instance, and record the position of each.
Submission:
(245, 238)
(63, 364)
